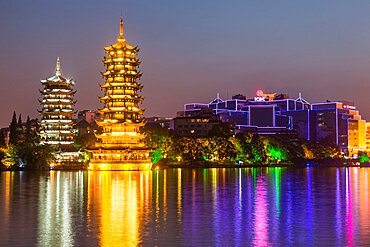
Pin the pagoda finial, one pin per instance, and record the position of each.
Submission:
(58, 71)
(121, 29)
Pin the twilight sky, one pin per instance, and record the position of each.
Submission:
(190, 49)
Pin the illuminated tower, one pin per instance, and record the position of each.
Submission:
(120, 146)
(57, 109)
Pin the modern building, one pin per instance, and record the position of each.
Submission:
(195, 123)
(164, 122)
(57, 109)
(88, 115)
(338, 123)
(335, 123)
(257, 115)
(120, 145)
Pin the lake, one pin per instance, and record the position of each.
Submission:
(186, 207)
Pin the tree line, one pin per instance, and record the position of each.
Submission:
(222, 146)
(23, 149)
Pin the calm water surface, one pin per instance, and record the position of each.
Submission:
(187, 207)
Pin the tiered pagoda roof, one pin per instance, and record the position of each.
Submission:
(121, 99)
(57, 109)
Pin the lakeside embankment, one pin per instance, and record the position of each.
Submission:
(258, 166)
(164, 164)
(298, 164)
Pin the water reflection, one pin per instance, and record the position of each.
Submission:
(260, 236)
(192, 207)
(61, 197)
(115, 203)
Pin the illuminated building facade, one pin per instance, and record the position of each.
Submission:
(57, 109)
(337, 123)
(368, 138)
(252, 115)
(120, 145)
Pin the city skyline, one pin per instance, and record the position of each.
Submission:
(190, 51)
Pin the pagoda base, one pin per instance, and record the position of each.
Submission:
(120, 160)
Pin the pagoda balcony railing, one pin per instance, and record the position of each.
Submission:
(58, 130)
(57, 111)
(125, 158)
(57, 139)
(57, 96)
(57, 83)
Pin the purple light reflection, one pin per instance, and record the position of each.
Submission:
(348, 217)
(261, 226)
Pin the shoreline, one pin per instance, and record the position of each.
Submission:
(197, 165)
(262, 166)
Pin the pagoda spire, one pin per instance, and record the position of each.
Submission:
(58, 71)
(121, 30)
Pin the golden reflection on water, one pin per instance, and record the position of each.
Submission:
(116, 200)
(8, 187)
(165, 196)
(179, 196)
(8, 184)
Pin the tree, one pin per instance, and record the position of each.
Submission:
(28, 135)
(2, 139)
(243, 147)
(364, 158)
(13, 129)
(36, 157)
(221, 130)
(2, 146)
(155, 135)
(158, 138)
(258, 150)
(20, 121)
(156, 155)
(20, 133)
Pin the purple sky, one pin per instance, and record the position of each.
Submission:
(190, 50)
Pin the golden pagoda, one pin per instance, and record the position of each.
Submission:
(120, 145)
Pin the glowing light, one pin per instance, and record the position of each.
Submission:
(118, 200)
(120, 141)
(179, 196)
(259, 93)
(348, 219)
(276, 153)
(118, 166)
(260, 214)
(364, 158)
(156, 155)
